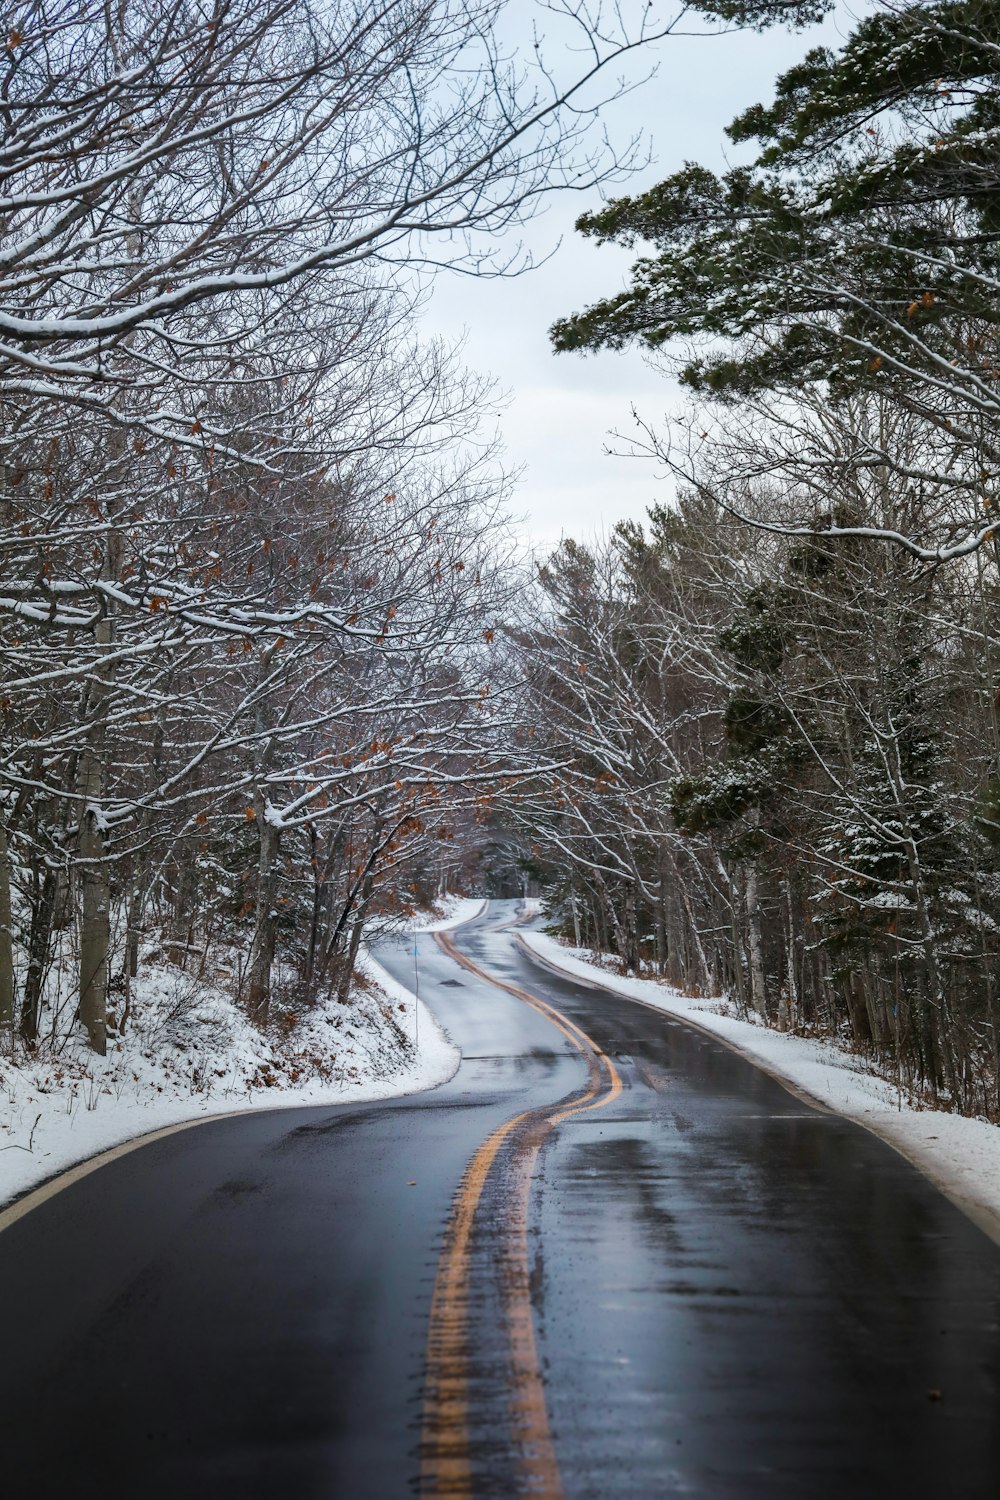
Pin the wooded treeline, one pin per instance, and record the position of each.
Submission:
(781, 781)
(264, 660)
(778, 701)
(253, 560)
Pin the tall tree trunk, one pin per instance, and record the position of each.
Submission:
(602, 937)
(661, 945)
(95, 927)
(632, 954)
(739, 960)
(133, 921)
(141, 873)
(264, 942)
(315, 915)
(265, 928)
(612, 918)
(938, 1030)
(574, 908)
(347, 973)
(95, 930)
(44, 886)
(758, 991)
(6, 937)
(350, 959)
(788, 1005)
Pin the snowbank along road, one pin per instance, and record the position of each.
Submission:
(609, 1257)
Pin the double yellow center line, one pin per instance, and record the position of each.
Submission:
(446, 1451)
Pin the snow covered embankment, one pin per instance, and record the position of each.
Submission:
(189, 1053)
(454, 911)
(961, 1156)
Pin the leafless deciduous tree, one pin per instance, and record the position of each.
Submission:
(774, 762)
(253, 572)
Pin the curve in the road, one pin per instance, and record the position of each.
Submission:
(732, 1296)
(446, 1467)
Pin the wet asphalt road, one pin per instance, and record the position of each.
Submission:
(733, 1294)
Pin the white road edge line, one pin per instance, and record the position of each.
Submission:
(35, 1197)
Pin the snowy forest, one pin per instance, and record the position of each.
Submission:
(273, 668)
(252, 541)
(783, 693)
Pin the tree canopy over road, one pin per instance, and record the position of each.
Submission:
(253, 560)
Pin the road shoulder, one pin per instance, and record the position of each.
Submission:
(56, 1127)
(960, 1156)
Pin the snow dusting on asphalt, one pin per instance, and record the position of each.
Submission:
(960, 1155)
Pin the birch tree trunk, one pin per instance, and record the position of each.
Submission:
(574, 908)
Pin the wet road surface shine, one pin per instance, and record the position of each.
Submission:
(753, 1298)
(447, 1466)
(710, 1289)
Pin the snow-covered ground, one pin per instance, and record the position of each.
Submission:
(190, 1053)
(961, 1156)
(452, 911)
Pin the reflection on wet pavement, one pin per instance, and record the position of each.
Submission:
(733, 1295)
(742, 1296)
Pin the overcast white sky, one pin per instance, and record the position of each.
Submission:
(563, 406)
